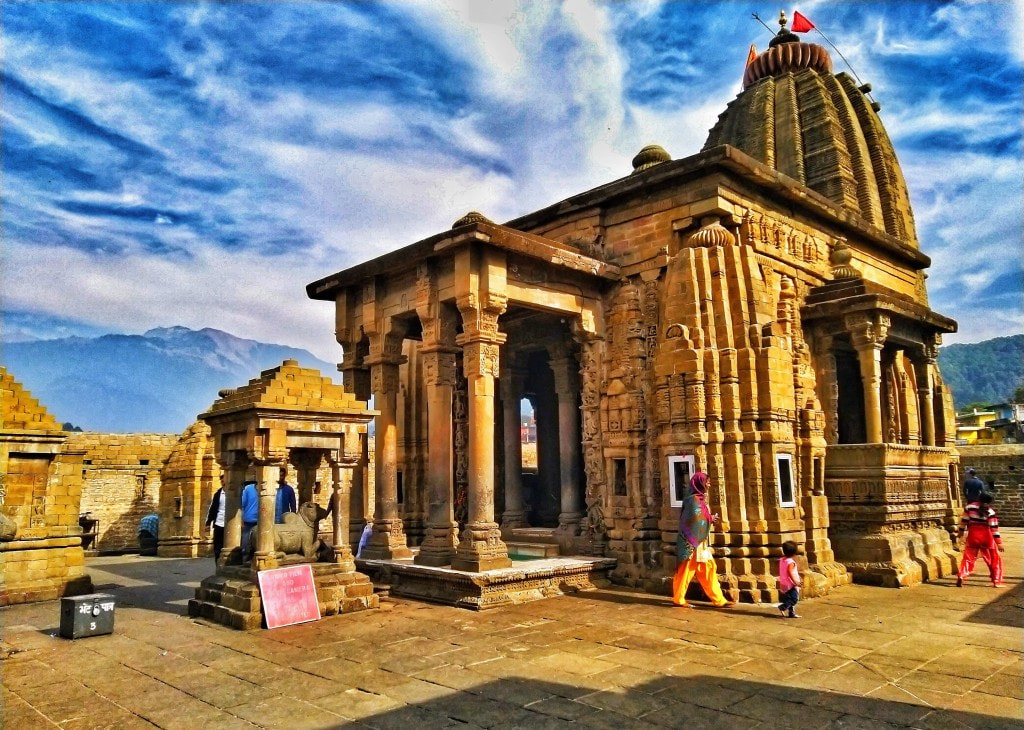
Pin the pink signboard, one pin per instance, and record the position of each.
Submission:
(289, 596)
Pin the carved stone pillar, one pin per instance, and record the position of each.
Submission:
(339, 515)
(388, 540)
(264, 558)
(441, 538)
(480, 547)
(868, 335)
(358, 496)
(828, 386)
(511, 393)
(924, 364)
(234, 464)
(306, 462)
(566, 371)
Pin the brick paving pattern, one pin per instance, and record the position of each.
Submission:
(931, 656)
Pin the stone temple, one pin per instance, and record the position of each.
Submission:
(757, 311)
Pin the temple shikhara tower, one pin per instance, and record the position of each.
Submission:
(756, 311)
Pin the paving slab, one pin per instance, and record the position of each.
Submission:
(930, 656)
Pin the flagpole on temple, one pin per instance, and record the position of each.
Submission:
(801, 25)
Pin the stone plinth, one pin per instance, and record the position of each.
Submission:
(528, 580)
(890, 510)
(42, 570)
(232, 597)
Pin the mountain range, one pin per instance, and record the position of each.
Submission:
(985, 372)
(159, 381)
(156, 382)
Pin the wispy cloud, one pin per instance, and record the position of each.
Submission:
(199, 163)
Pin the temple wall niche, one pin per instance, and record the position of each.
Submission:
(121, 482)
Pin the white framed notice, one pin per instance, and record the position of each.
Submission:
(784, 477)
(680, 469)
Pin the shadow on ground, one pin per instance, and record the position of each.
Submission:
(1006, 609)
(693, 702)
(158, 584)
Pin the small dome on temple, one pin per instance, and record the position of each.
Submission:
(650, 156)
(471, 217)
(711, 234)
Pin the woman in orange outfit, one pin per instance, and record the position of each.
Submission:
(695, 559)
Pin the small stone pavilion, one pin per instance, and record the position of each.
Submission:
(757, 311)
(41, 556)
(289, 415)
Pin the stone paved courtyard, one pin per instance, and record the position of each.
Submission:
(932, 656)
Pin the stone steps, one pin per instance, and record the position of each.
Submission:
(532, 549)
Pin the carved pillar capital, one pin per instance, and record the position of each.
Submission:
(438, 367)
(306, 458)
(867, 331)
(480, 359)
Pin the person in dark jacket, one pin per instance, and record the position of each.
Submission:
(973, 487)
(215, 519)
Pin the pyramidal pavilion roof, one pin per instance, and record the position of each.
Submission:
(19, 411)
(288, 387)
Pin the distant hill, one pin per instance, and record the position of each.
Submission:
(156, 382)
(984, 372)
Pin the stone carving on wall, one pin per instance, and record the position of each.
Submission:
(760, 231)
(593, 453)
(460, 445)
(8, 527)
(652, 473)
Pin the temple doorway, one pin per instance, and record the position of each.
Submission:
(541, 379)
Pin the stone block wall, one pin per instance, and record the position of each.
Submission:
(1001, 467)
(120, 482)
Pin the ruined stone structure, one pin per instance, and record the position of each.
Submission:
(288, 416)
(121, 483)
(191, 475)
(189, 478)
(756, 311)
(41, 554)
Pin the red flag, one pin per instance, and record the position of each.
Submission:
(752, 54)
(800, 23)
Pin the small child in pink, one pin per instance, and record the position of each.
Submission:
(789, 580)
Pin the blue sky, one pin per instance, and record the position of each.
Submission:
(198, 164)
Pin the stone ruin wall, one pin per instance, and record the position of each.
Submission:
(120, 482)
(1001, 467)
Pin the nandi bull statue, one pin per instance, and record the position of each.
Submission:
(297, 535)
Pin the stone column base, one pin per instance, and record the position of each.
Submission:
(387, 542)
(439, 546)
(232, 599)
(481, 548)
(897, 559)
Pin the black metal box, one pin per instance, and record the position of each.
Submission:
(88, 615)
